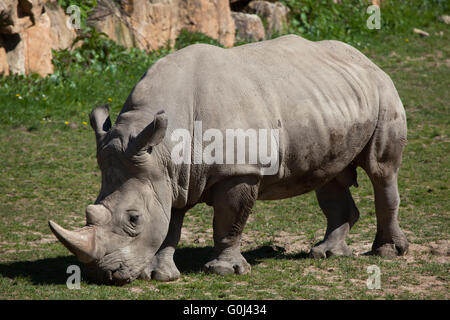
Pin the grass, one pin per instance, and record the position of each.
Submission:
(49, 171)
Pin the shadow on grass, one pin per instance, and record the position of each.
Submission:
(40, 272)
(188, 259)
(192, 259)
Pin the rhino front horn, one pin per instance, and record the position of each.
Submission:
(80, 242)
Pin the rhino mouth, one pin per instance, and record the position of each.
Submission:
(118, 276)
(116, 268)
(93, 274)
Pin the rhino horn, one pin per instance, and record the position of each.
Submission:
(152, 135)
(97, 214)
(80, 242)
(100, 121)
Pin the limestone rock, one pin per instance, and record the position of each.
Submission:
(146, 25)
(15, 16)
(248, 27)
(15, 52)
(275, 14)
(153, 24)
(62, 36)
(38, 43)
(4, 67)
(29, 30)
(211, 17)
(238, 5)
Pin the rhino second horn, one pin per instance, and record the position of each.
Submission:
(80, 242)
(97, 214)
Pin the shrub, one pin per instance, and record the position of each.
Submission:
(324, 19)
(187, 38)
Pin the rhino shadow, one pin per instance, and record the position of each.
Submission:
(40, 272)
(188, 260)
(192, 259)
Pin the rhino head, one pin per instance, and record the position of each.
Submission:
(130, 218)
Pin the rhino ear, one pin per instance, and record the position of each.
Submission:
(152, 135)
(100, 121)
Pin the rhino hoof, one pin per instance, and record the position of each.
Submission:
(163, 275)
(325, 251)
(162, 271)
(390, 250)
(222, 267)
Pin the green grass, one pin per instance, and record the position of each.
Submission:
(49, 171)
(346, 21)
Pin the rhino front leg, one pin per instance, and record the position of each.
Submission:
(337, 203)
(232, 202)
(163, 267)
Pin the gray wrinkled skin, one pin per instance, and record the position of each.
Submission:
(334, 108)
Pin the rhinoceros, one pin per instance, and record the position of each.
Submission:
(334, 110)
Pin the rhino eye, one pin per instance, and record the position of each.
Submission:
(134, 219)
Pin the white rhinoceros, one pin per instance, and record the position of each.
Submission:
(332, 109)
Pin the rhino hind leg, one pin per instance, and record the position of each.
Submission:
(232, 202)
(381, 160)
(341, 212)
(163, 267)
(390, 240)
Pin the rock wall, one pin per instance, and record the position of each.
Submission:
(29, 30)
(249, 27)
(274, 14)
(152, 24)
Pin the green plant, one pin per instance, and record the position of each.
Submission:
(78, 81)
(186, 38)
(86, 6)
(346, 21)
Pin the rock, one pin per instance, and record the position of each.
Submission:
(117, 23)
(15, 17)
(150, 25)
(211, 17)
(274, 14)
(421, 32)
(62, 36)
(445, 19)
(239, 5)
(15, 52)
(249, 27)
(29, 30)
(38, 42)
(4, 67)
